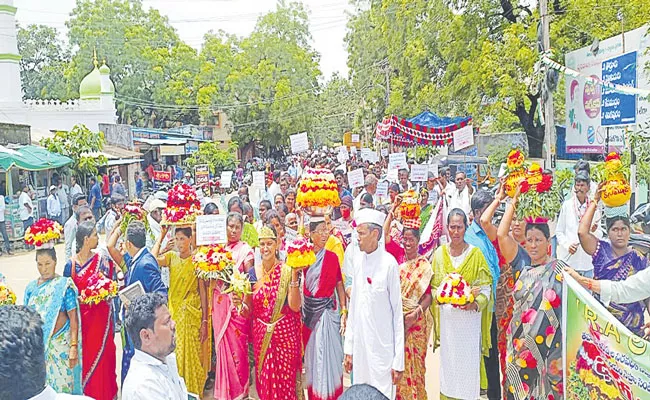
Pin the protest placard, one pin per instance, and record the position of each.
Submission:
(355, 178)
(419, 172)
(210, 229)
(299, 143)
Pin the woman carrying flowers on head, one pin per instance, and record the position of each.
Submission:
(55, 298)
(461, 319)
(534, 368)
(94, 277)
(231, 320)
(188, 306)
(276, 324)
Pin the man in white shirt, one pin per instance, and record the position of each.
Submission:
(404, 183)
(153, 373)
(54, 206)
(26, 210)
(374, 339)
(274, 187)
(3, 226)
(74, 188)
(63, 193)
(22, 357)
(568, 244)
(459, 195)
(70, 227)
(370, 187)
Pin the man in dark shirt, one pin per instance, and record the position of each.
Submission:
(95, 198)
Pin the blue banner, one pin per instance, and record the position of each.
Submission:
(617, 108)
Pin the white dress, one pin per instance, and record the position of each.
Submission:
(460, 347)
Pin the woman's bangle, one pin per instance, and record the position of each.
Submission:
(590, 284)
(344, 311)
(294, 284)
(74, 344)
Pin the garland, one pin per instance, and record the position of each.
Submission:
(407, 134)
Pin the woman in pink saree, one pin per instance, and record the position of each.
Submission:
(231, 328)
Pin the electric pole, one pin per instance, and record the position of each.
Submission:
(547, 94)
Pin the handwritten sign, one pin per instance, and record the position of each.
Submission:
(419, 172)
(201, 175)
(463, 138)
(384, 152)
(355, 178)
(397, 161)
(353, 150)
(299, 143)
(391, 175)
(258, 179)
(226, 179)
(382, 189)
(434, 168)
(210, 229)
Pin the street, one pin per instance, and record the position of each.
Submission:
(20, 269)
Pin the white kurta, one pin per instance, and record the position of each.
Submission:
(460, 347)
(375, 331)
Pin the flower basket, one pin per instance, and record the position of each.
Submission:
(7, 296)
(300, 253)
(317, 189)
(454, 290)
(43, 233)
(183, 206)
(541, 196)
(133, 211)
(516, 169)
(214, 262)
(616, 190)
(100, 289)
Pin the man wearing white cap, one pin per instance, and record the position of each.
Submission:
(374, 339)
(54, 206)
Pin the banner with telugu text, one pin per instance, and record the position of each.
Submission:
(602, 358)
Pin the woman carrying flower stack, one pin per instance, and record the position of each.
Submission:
(188, 306)
(463, 331)
(276, 324)
(231, 321)
(324, 316)
(55, 298)
(534, 368)
(90, 273)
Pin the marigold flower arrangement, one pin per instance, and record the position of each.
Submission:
(43, 232)
(317, 189)
(616, 191)
(183, 205)
(214, 262)
(541, 196)
(454, 290)
(7, 296)
(516, 169)
(99, 289)
(409, 209)
(133, 211)
(300, 253)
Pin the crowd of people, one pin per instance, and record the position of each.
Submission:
(367, 305)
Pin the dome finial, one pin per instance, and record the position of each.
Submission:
(95, 57)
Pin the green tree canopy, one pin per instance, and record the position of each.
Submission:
(82, 146)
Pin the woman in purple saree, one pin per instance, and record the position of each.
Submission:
(231, 328)
(615, 260)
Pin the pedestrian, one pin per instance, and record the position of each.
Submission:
(118, 187)
(141, 267)
(374, 340)
(54, 206)
(26, 210)
(459, 195)
(23, 366)
(116, 205)
(95, 198)
(74, 187)
(70, 227)
(63, 193)
(3, 226)
(276, 323)
(98, 358)
(139, 185)
(154, 373)
(464, 332)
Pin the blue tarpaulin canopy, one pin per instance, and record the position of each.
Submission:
(425, 129)
(431, 120)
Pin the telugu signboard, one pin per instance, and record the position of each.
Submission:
(201, 175)
(593, 112)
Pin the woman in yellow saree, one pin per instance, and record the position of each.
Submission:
(463, 332)
(188, 305)
(415, 278)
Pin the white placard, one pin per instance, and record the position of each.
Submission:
(258, 179)
(355, 138)
(353, 150)
(419, 172)
(397, 161)
(463, 138)
(434, 168)
(210, 229)
(382, 189)
(392, 175)
(366, 154)
(373, 158)
(290, 235)
(384, 152)
(342, 157)
(299, 143)
(226, 179)
(355, 178)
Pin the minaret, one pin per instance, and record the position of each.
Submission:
(10, 84)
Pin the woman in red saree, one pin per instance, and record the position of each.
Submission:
(276, 324)
(232, 328)
(98, 377)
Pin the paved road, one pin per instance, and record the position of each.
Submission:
(20, 269)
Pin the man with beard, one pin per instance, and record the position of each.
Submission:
(154, 372)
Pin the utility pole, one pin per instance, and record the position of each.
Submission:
(387, 98)
(547, 95)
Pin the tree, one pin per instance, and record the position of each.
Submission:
(82, 146)
(43, 63)
(334, 111)
(214, 156)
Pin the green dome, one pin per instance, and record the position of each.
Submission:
(104, 70)
(91, 85)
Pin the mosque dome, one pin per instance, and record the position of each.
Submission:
(107, 85)
(91, 86)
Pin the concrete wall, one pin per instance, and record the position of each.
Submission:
(14, 133)
(118, 135)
